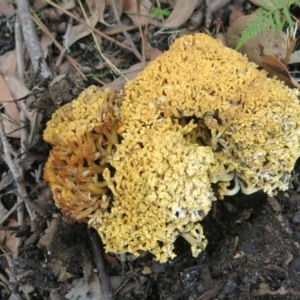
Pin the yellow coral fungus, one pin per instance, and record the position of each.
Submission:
(163, 189)
(200, 114)
(83, 133)
(251, 122)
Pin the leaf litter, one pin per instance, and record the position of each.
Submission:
(253, 248)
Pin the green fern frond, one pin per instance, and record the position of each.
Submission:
(252, 31)
(266, 5)
(273, 17)
(288, 18)
(277, 19)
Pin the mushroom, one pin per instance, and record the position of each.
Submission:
(84, 134)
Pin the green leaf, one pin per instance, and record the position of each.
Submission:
(288, 17)
(274, 18)
(159, 13)
(251, 31)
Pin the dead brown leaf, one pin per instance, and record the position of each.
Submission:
(155, 54)
(11, 240)
(131, 9)
(79, 31)
(10, 108)
(38, 4)
(276, 68)
(112, 260)
(11, 129)
(98, 8)
(131, 73)
(8, 62)
(45, 42)
(47, 238)
(68, 4)
(6, 9)
(181, 13)
(19, 91)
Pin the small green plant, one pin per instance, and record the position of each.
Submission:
(101, 75)
(158, 13)
(274, 16)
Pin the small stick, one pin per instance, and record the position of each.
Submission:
(4, 218)
(31, 40)
(14, 170)
(126, 34)
(98, 256)
(292, 44)
(73, 62)
(89, 26)
(208, 17)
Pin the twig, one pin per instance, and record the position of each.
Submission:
(19, 48)
(4, 218)
(24, 132)
(142, 34)
(31, 40)
(89, 26)
(110, 64)
(31, 204)
(292, 44)
(208, 17)
(14, 170)
(126, 34)
(65, 44)
(72, 61)
(98, 256)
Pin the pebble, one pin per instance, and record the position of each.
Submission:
(229, 286)
(158, 267)
(248, 248)
(295, 263)
(297, 235)
(296, 219)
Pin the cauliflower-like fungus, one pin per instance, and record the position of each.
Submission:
(251, 122)
(83, 133)
(163, 189)
(200, 114)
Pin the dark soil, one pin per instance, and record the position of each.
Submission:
(253, 247)
(253, 253)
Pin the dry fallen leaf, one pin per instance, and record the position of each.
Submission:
(11, 240)
(11, 129)
(276, 68)
(98, 8)
(19, 91)
(8, 62)
(181, 13)
(119, 82)
(10, 109)
(112, 260)
(6, 8)
(38, 4)
(265, 289)
(68, 4)
(131, 9)
(46, 42)
(79, 31)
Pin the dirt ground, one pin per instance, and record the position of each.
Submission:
(253, 247)
(253, 253)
